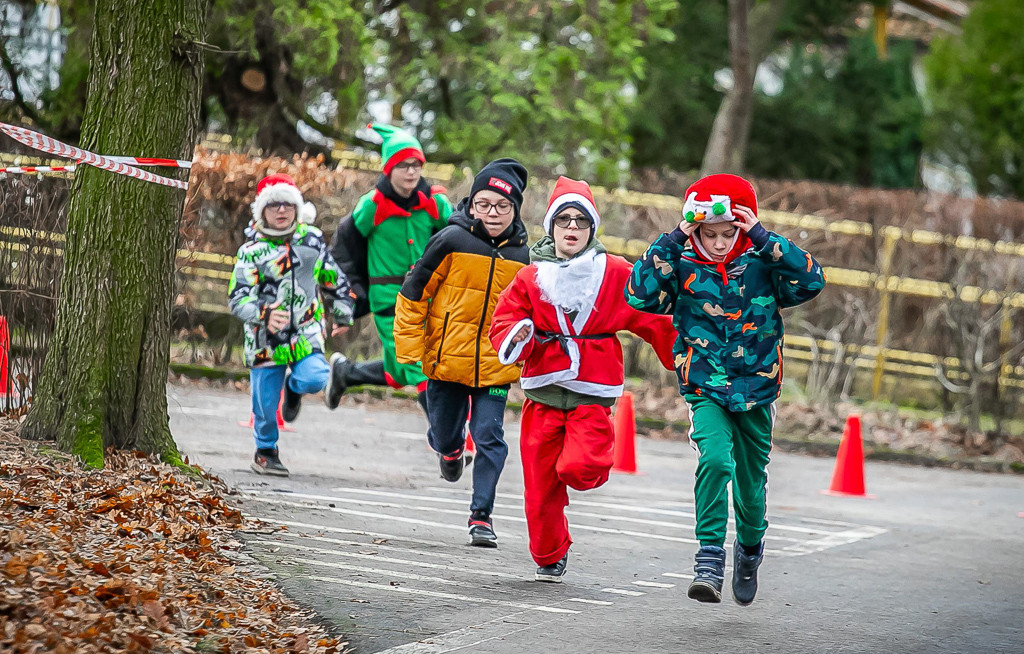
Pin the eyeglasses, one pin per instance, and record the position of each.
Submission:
(582, 222)
(412, 166)
(483, 207)
(279, 205)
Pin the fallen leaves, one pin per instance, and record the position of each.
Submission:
(137, 557)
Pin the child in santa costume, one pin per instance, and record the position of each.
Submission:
(559, 317)
(379, 243)
(724, 278)
(274, 290)
(441, 319)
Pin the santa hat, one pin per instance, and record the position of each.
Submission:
(571, 193)
(280, 188)
(711, 199)
(398, 146)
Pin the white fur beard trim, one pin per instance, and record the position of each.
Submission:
(571, 285)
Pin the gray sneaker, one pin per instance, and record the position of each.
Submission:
(553, 573)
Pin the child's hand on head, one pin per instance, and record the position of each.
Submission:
(745, 218)
(687, 228)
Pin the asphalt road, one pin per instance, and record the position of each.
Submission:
(376, 544)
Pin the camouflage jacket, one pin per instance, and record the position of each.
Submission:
(729, 344)
(287, 273)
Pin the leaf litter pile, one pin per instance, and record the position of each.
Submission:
(138, 557)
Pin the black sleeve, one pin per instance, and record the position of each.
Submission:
(349, 249)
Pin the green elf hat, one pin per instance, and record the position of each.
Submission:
(399, 145)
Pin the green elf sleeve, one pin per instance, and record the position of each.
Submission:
(653, 285)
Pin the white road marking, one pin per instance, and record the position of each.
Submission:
(199, 411)
(362, 514)
(448, 596)
(677, 575)
(379, 546)
(359, 532)
(834, 540)
(386, 559)
(653, 584)
(390, 505)
(406, 435)
(620, 591)
(468, 638)
(589, 601)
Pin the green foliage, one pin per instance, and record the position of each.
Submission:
(976, 93)
(551, 83)
(846, 117)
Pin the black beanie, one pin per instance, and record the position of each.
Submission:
(505, 177)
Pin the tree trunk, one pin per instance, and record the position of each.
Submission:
(103, 383)
(727, 147)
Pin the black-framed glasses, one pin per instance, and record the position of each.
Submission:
(414, 166)
(483, 207)
(564, 220)
(274, 206)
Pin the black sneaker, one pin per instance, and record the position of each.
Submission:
(451, 465)
(336, 380)
(553, 573)
(744, 574)
(710, 574)
(266, 462)
(481, 530)
(292, 401)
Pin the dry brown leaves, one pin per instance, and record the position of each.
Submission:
(137, 557)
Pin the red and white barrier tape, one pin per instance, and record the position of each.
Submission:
(43, 143)
(39, 169)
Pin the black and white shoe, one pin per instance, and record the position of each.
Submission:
(292, 401)
(481, 530)
(553, 573)
(337, 380)
(266, 462)
(451, 465)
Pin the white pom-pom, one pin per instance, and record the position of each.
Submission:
(307, 214)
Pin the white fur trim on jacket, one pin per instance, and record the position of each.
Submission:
(563, 200)
(509, 353)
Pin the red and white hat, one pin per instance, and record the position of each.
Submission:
(711, 199)
(571, 193)
(280, 188)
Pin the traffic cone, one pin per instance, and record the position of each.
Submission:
(624, 455)
(848, 475)
(281, 424)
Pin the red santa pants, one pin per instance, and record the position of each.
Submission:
(559, 449)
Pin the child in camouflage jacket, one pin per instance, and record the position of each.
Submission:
(724, 278)
(273, 290)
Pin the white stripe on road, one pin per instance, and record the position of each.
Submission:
(653, 584)
(380, 546)
(833, 540)
(385, 559)
(439, 595)
(589, 601)
(677, 575)
(619, 591)
(358, 532)
(362, 514)
(343, 500)
(406, 435)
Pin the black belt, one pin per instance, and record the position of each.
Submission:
(389, 279)
(563, 339)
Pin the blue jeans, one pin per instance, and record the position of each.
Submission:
(448, 405)
(309, 375)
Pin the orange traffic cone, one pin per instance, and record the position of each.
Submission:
(281, 424)
(848, 475)
(624, 457)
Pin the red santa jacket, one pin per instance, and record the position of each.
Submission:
(551, 354)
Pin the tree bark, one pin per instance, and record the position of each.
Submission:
(726, 151)
(103, 382)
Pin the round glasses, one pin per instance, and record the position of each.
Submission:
(501, 208)
(582, 222)
(273, 206)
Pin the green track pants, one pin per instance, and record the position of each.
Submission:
(730, 446)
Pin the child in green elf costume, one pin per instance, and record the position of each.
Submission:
(378, 244)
